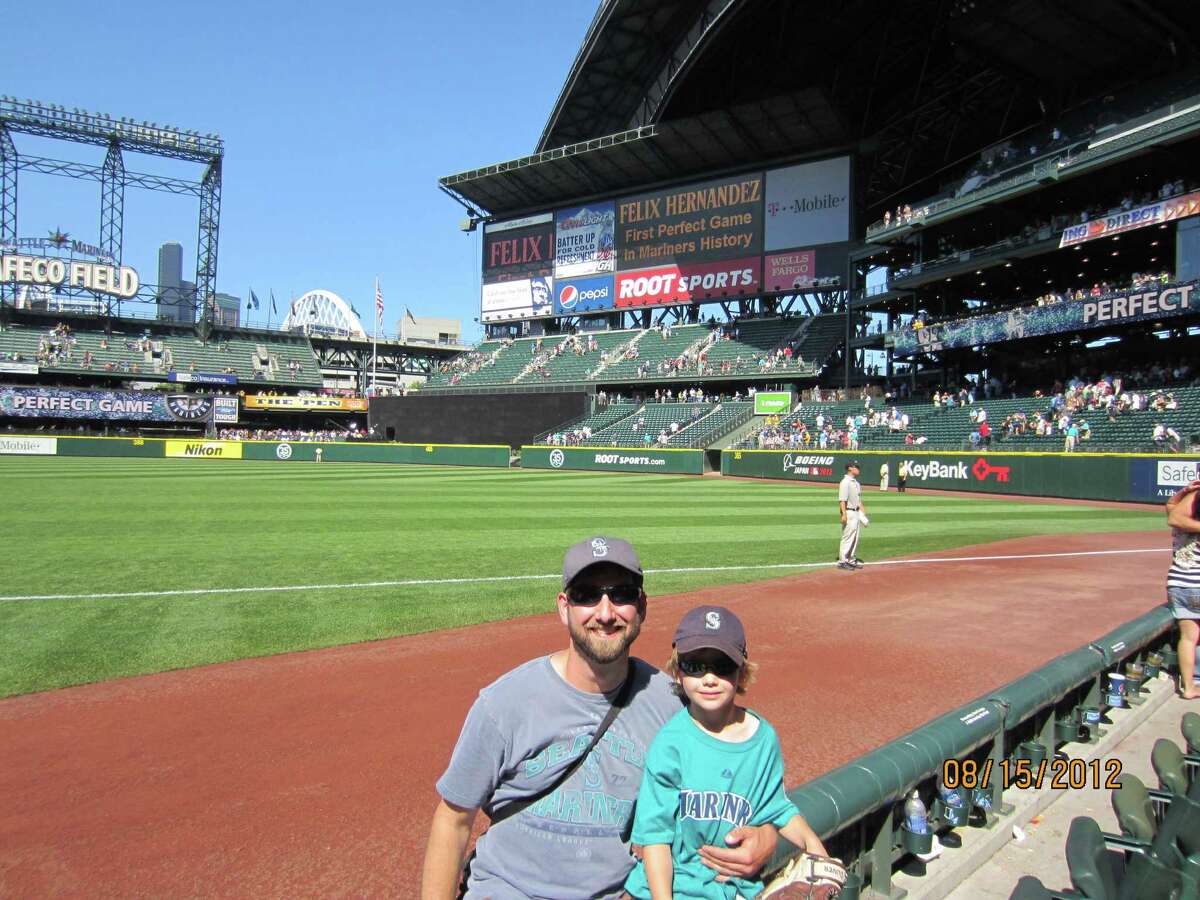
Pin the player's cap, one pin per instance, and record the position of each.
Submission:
(853, 464)
(596, 550)
(712, 627)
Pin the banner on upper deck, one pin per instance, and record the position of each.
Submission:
(67, 403)
(1157, 302)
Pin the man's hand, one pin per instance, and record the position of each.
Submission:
(750, 848)
(843, 518)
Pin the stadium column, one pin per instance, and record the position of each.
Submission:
(8, 200)
(206, 244)
(112, 203)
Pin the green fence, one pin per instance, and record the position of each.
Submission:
(493, 455)
(614, 459)
(1088, 476)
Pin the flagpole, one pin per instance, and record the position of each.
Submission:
(375, 339)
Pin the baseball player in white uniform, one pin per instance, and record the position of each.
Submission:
(884, 473)
(854, 515)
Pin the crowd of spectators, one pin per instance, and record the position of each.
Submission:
(289, 434)
(1058, 142)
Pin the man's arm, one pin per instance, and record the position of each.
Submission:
(448, 836)
(842, 509)
(750, 848)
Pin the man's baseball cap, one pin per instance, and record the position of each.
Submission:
(596, 550)
(853, 464)
(711, 627)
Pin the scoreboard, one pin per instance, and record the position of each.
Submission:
(774, 231)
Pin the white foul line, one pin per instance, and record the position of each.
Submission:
(356, 585)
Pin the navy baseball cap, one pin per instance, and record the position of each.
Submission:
(596, 550)
(853, 464)
(712, 627)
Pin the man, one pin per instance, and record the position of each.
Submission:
(902, 476)
(853, 515)
(884, 472)
(533, 724)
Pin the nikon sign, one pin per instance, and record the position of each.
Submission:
(52, 272)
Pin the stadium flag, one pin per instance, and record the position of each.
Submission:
(254, 299)
(375, 338)
(273, 309)
(408, 315)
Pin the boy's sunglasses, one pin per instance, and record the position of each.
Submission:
(724, 667)
(620, 594)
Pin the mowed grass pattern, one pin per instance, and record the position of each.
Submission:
(91, 526)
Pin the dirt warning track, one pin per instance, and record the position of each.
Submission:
(311, 774)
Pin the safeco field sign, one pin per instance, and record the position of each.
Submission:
(772, 403)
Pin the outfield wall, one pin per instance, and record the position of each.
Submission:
(1086, 476)
(279, 451)
(614, 459)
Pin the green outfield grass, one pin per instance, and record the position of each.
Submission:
(94, 526)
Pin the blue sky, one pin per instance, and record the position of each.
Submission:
(337, 121)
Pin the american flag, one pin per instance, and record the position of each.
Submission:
(378, 303)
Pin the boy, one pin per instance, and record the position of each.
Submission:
(714, 766)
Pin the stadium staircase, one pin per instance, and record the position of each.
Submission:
(655, 418)
(616, 355)
(596, 421)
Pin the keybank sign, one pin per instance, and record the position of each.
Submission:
(924, 471)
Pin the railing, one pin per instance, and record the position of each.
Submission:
(855, 807)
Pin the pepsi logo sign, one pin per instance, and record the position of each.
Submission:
(570, 295)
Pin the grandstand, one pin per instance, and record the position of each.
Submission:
(267, 359)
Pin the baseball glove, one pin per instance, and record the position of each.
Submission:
(808, 877)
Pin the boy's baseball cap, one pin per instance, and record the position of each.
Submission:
(853, 464)
(712, 627)
(596, 550)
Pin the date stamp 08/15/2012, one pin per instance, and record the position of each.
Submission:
(1060, 774)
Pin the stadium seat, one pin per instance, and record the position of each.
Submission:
(1190, 726)
(1168, 762)
(1134, 809)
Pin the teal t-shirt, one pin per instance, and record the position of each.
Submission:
(695, 790)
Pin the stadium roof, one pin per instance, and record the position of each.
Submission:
(663, 90)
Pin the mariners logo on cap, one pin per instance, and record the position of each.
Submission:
(712, 620)
(599, 548)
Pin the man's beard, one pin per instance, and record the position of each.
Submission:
(603, 650)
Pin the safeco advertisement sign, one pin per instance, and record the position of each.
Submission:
(205, 449)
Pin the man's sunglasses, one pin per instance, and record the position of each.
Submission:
(619, 595)
(722, 667)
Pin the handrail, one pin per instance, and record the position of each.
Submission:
(853, 806)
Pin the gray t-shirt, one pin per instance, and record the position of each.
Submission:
(849, 492)
(525, 728)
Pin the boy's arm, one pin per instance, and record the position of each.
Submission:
(801, 834)
(660, 870)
